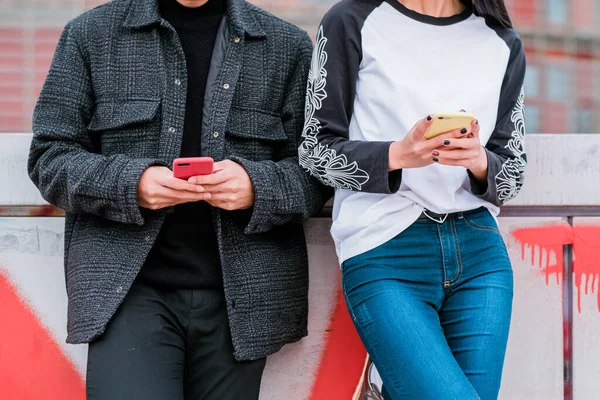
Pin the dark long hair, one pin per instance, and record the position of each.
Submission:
(493, 10)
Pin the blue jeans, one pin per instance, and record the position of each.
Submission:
(433, 308)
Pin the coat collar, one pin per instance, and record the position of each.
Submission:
(143, 13)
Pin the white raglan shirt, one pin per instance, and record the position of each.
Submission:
(377, 69)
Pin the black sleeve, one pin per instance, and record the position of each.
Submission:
(506, 148)
(62, 161)
(327, 152)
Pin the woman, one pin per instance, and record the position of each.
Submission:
(426, 274)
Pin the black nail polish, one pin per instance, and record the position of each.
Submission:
(463, 131)
(446, 142)
(429, 118)
(435, 159)
(476, 122)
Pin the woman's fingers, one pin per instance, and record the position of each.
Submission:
(457, 154)
(474, 129)
(418, 131)
(450, 137)
(453, 144)
(454, 163)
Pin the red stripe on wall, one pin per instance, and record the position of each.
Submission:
(32, 365)
(343, 358)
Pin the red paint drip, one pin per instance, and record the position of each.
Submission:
(547, 243)
(343, 358)
(32, 365)
(586, 261)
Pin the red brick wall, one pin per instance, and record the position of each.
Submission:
(28, 37)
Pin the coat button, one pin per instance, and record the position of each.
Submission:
(177, 82)
(172, 130)
(119, 289)
(236, 40)
(226, 86)
(216, 134)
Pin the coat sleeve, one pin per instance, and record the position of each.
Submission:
(283, 192)
(505, 150)
(62, 162)
(328, 152)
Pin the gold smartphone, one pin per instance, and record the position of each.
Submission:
(447, 122)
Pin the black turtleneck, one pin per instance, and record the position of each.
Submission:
(186, 253)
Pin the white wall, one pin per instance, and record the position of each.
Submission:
(564, 171)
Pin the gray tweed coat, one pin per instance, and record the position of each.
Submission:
(114, 103)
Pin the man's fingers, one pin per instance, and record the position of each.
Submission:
(212, 179)
(223, 196)
(183, 196)
(180, 184)
(225, 187)
(160, 197)
(220, 165)
(190, 197)
(223, 205)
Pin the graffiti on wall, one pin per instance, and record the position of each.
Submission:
(546, 246)
(34, 362)
(32, 365)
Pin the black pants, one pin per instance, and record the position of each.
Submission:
(170, 345)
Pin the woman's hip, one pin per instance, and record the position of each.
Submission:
(430, 253)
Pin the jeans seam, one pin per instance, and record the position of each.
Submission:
(443, 255)
(480, 227)
(362, 332)
(458, 257)
(350, 308)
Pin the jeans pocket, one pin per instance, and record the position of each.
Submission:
(481, 221)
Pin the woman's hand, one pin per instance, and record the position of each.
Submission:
(415, 151)
(464, 152)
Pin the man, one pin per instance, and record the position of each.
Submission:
(182, 288)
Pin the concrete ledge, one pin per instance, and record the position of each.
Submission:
(563, 172)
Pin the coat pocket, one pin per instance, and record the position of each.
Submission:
(254, 134)
(129, 127)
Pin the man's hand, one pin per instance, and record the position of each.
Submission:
(159, 189)
(465, 152)
(230, 186)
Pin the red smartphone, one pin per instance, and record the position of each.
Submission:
(185, 168)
